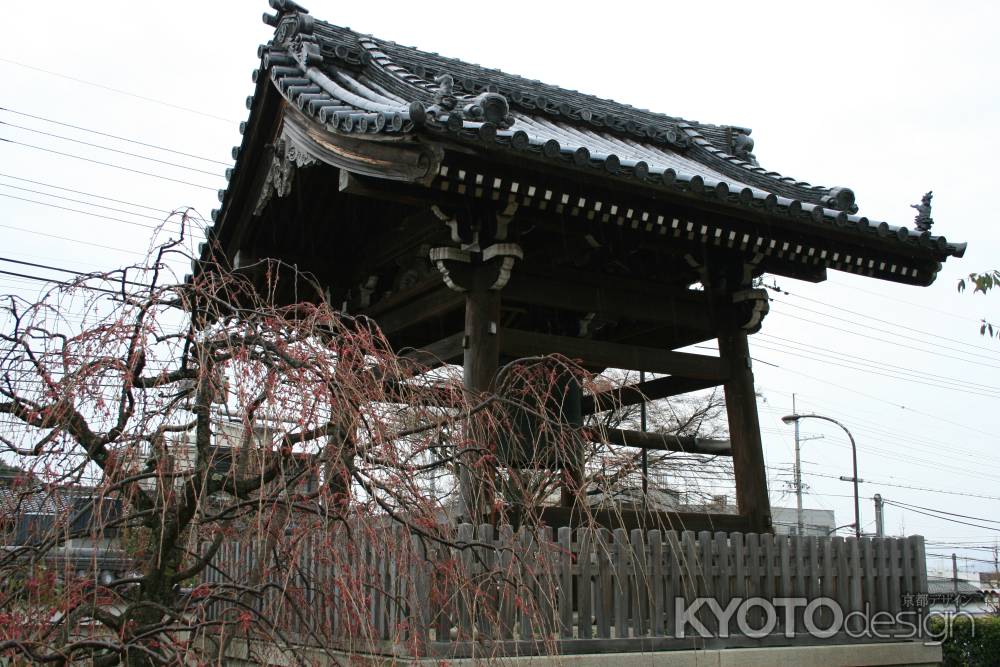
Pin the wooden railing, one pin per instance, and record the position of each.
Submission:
(492, 591)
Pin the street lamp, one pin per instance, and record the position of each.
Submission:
(791, 419)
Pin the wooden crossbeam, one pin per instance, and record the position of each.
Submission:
(446, 350)
(615, 298)
(599, 354)
(642, 392)
(662, 441)
(629, 519)
(415, 308)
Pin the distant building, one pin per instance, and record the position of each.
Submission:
(818, 523)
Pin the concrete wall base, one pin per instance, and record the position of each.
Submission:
(901, 654)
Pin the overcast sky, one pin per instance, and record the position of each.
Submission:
(890, 99)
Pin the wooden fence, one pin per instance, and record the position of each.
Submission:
(492, 591)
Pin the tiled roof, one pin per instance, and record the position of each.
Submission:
(360, 86)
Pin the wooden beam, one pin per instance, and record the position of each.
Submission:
(409, 310)
(628, 519)
(592, 353)
(651, 390)
(744, 433)
(662, 441)
(446, 350)
(615, 298)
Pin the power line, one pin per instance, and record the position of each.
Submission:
(96, 215)
(857, 391)
(936, 352)
(912, 488)
(934, 516)
(86, 203)
(108, 164)
(114, 136)
(876, 319)
(875, 362)
(869, 370)
(70, 239)
(64, 270)
(897, 301)
(116, 90)
(963, 516)
(916, 413)
(108, 148)
(82, 192)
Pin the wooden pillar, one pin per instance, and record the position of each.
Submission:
(482, 343)
(744, 432)
(480, 362)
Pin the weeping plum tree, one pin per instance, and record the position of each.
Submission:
(254, 469)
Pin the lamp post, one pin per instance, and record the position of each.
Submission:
(794, 419)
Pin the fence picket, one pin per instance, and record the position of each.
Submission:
(656, 581)
(621, 583)
(507, 582)
(565, 536)
(584, 537)
(604, 590)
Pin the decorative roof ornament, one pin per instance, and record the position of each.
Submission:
(923, 221)
(741, 144)
(484, 108)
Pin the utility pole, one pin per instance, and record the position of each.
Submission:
(879, 525)
(798, 473)
(954, 581)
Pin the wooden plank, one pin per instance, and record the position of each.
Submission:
(854, 552)
(919, 571)
(907, 587)
(643, 392)
(598, 354)
(674, 582)
(430, 305)
(656, 581)
(769, 552)
(465, 597)
(739, 565)
(604, 590)
(707, 576)
(843, 566)
(881, 574)
(755, 577)
(799, 577)
(661, 441)
(446, 350)
(744, 432)
(723, 580)
(565, 536)
(419, 599)
(784, 566)
(508, 564)
(615, 299)
(486, 596)
(443, 620)
(621, 582)
(895, 574)
(829, 579)
(867, 573)
(527, 590)
(545, 581)
(640, 584)
(585, 538)
(629, 519)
